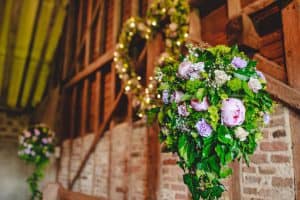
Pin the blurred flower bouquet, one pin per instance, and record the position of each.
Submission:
(213, 104)
(36, 145)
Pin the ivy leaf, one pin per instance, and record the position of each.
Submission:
(151, 115)
(214, 164)
(220, 150)
(224, 135)
(192, 182)
(185, 150)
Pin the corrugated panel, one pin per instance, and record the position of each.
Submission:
(38, 29)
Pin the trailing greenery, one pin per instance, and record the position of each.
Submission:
(213, 106)
(36, 144)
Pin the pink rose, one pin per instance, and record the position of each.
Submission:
(233, 112)
(200, 106)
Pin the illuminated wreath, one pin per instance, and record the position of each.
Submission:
(168, 16)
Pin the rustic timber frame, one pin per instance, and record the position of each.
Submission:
(92, 90)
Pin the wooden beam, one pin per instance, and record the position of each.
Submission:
(98, 136)
(295, 127)
(233, 8)
(70, 195)
(291, 30)
(269, 67)
(256, 6)
(117, 19)
(241, 30)
(195, 26)
(278, 89)
(94, 66)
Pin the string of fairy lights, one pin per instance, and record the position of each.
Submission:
(167, 16)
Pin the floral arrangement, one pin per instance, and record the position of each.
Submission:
(36, 145)
(213, 104)
(167, 16)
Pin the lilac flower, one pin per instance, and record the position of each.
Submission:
(36, 132)
(261, 75)
(176, 96)
(184, 69)
(203, 128)
(200, 106)
(165, 96)
(239, 62)
(45, 141)
(27, 151)
(189, 70)
(182, 110)
(233, 112)
(267, 118)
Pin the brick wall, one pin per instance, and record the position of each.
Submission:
(270, 175)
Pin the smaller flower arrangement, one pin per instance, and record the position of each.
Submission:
(36, 145)
(213, 105)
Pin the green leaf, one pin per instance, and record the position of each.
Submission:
(247, 90)
(224, 135)
(214, 164)
(220, 150)
(214, 116)
(193, 183)
(185, 150)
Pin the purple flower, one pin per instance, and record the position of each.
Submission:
(27, 151)
(266, 118)
(233, 112)
(182, 110)
(254, 84)
(261, 75)
(184, 69)
(45, 141)
(189, 70)
(165, 96)
(176, 96)
(238, 62)
(36, 132)
(200, 106)
(203, 128)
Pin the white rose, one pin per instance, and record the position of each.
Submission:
(221, 77)
(241, 133)
(254, 85)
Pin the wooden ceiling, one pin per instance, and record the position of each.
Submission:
(29, 34)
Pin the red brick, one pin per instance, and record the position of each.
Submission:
(249, 169)
(282, 182)
(248, 190)
(252, 179)
(177, 187)
(274, 146)
(280, 159)
(180, 196)
(170, 162)
(266, 170)
(259, 158)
